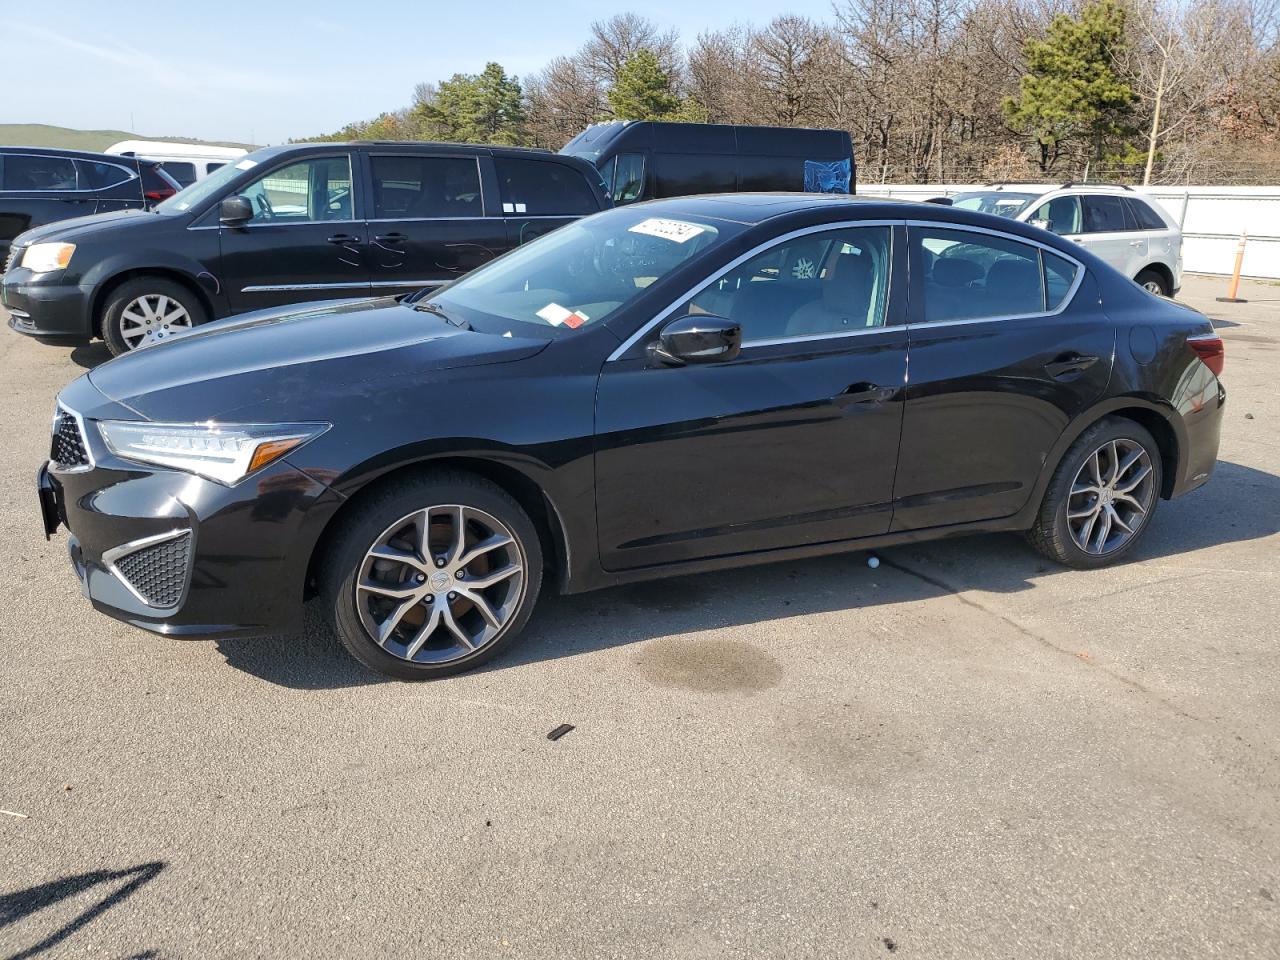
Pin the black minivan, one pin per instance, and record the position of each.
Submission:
(649, 159)
(313, 221)
(40, 185)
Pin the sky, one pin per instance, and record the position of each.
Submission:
(262, 72)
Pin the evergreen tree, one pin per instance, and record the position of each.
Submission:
(1071, 92)
(476, 108)
(643, 91)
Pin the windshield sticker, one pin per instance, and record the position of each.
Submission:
(675, 230)
(557, 315)
(246, 164)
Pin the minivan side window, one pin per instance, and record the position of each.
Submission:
(543, 188)
(28, 172)
(820, 284)
(972, 276)
(180, 170)
(303, 192)
(412, 188)
(1104, 215)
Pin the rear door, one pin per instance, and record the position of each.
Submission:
(1007, 346)
(116, 186)
(538, 195)
(36, 190)
(306, 240)
(1110, 232)
(428, 223)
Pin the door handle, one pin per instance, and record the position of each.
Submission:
(390, 238)
(344, 238)
(866, 392)
(1136, 243)
(1068, 365)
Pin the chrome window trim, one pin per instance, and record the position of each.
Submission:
(416, 284)
(58, 409)
(475, 158)
(962, 228)
(430, 219)
(737, 262)
(109, 558)
(75, 162)
(259, 226)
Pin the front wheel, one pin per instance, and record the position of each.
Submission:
(1102, 496)
(146, 311)
(432, 575)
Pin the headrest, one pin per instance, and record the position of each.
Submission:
(955, 271)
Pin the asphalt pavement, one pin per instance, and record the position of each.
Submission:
(967, 752)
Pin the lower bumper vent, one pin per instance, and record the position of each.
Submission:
(155, 569)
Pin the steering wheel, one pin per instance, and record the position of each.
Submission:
(264, 206)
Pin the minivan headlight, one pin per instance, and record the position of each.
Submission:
(47, 257)
(225, 452)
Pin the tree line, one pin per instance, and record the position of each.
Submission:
(930, 90)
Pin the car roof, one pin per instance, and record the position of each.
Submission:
(73, 154)
(424, 145)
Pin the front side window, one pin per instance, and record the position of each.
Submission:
(628, 179)
(578, 275)
(25, 172)
(543, 188)
(820, 284)
(1104, 215)
(304, 192)
(971, 276)
(999, 202)
(1060, 215)
(414, 188)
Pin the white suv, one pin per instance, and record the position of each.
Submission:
(1129, 231)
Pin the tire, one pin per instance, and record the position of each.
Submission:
(167, 308)
(1154, 281)
(424, 641)
(1058, 535)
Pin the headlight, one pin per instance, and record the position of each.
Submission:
(47, 257)
(225, 452)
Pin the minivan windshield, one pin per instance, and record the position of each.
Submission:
(1000, 202)
(580, 274)
(202, 190)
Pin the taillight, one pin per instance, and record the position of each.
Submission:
(1208, 347)
(155, 196)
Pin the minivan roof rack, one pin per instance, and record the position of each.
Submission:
(1118, 186)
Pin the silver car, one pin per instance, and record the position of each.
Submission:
(1128, 230)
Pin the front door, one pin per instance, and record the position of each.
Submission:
(1007, 347)
(429, 224)
(795, 442)
(305, 241)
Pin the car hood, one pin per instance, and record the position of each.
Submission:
(299, 357)
(81, 227)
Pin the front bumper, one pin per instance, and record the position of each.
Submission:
(46, 309)
(177, 554)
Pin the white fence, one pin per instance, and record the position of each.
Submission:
(1211, 219)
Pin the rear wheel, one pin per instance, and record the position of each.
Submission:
(433, 575)
(146, 311)
(1153, 281)
(1102, 496)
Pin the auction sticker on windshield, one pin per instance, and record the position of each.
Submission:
(676, 230)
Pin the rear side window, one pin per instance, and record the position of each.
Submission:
(99, 176)
(1104, 215)
(1059, 275)
(681, 174)
(26, 172)
(180, 170)
(543, 188)
(973, 276)
(409, 187)
(1146, 218)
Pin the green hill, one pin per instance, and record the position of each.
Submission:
(42, 135)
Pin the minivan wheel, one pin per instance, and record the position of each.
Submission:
(148, 310)
(1153, 281)
(432, 575)
(1102, 496)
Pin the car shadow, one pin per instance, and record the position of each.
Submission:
(1237, 505)
(90, 355)
(122, 884)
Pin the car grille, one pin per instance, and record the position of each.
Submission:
(68, 451)
(157, 573)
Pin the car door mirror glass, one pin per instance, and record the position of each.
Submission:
(698, 338)
(235, 211)
(1042, 224)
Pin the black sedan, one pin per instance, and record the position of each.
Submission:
(663, 389)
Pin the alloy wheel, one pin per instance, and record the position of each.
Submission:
(1110, 497)
(152, 318)
(1153, 286)
(440, 583)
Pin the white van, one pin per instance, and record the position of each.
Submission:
(185, 162)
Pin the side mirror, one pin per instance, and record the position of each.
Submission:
(235, 211)
(698, 338)
(1042, 224)
(944, 201)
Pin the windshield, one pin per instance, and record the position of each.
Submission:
(210, 186)
(1000, 202)
(579, 274)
